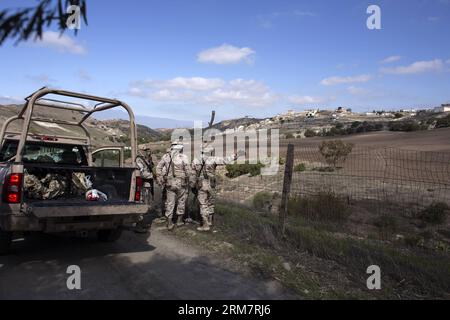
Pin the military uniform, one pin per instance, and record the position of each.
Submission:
(147, 176)
(203, 179)
(145, 164)
(52, 186)
(173, 173)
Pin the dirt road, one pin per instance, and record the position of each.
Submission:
(135, 267)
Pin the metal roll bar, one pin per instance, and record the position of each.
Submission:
(36, 99)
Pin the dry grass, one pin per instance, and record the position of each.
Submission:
(317, 263)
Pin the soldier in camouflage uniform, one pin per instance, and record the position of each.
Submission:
(173, 173)
(144, 162)
(203, 180)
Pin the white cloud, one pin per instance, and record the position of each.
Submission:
(61, 43)
(448, 61)
(193, 83)
(435, 65)
(433, 19)
(10, 100)
(391, 59)
(174, 96)
(304, 100)
(357, 91)
(340, 80)
(244, 93)
(205, 91)
(226, 54)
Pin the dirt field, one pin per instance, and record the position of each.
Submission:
(413, 166)
(387, 173)
(433, 140)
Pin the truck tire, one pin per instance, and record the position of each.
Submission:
(110, 235)
(5, 241)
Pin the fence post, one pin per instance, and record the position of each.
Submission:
(286, 187)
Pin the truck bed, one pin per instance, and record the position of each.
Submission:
(114, 182)
(79, 208)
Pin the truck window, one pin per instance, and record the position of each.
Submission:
(37, 152)
(107, 158)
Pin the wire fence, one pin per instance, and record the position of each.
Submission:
(382, 177)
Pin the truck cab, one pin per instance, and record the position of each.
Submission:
(27, 156)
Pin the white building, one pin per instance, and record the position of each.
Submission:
(443, 108)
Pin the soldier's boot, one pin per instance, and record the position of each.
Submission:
(205, 226)
(170, 224)
(180, 222)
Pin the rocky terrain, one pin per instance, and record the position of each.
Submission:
(102, 131)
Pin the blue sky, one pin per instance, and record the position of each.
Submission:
(181, 59)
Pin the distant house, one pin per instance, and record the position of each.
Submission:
(443, 108)
(341, 110)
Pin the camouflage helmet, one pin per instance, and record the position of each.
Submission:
(145, 148)
(177, 146)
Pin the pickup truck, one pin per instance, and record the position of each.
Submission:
(23, 153)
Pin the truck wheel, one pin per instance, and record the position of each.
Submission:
(5, 241)
(110, 235)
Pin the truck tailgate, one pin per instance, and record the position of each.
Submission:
(52, 209)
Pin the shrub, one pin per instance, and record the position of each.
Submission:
(282, 161)
(407, 126)
(443, 122)
(310, 133)
(237, 170)
(386, 224)
(289, 136)
(414, 241)
(325, 206)
(379, 127)
(335, 151)
(435, 213)
(355, 124)
(398, 115)
(262, 201)
(300, 167)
